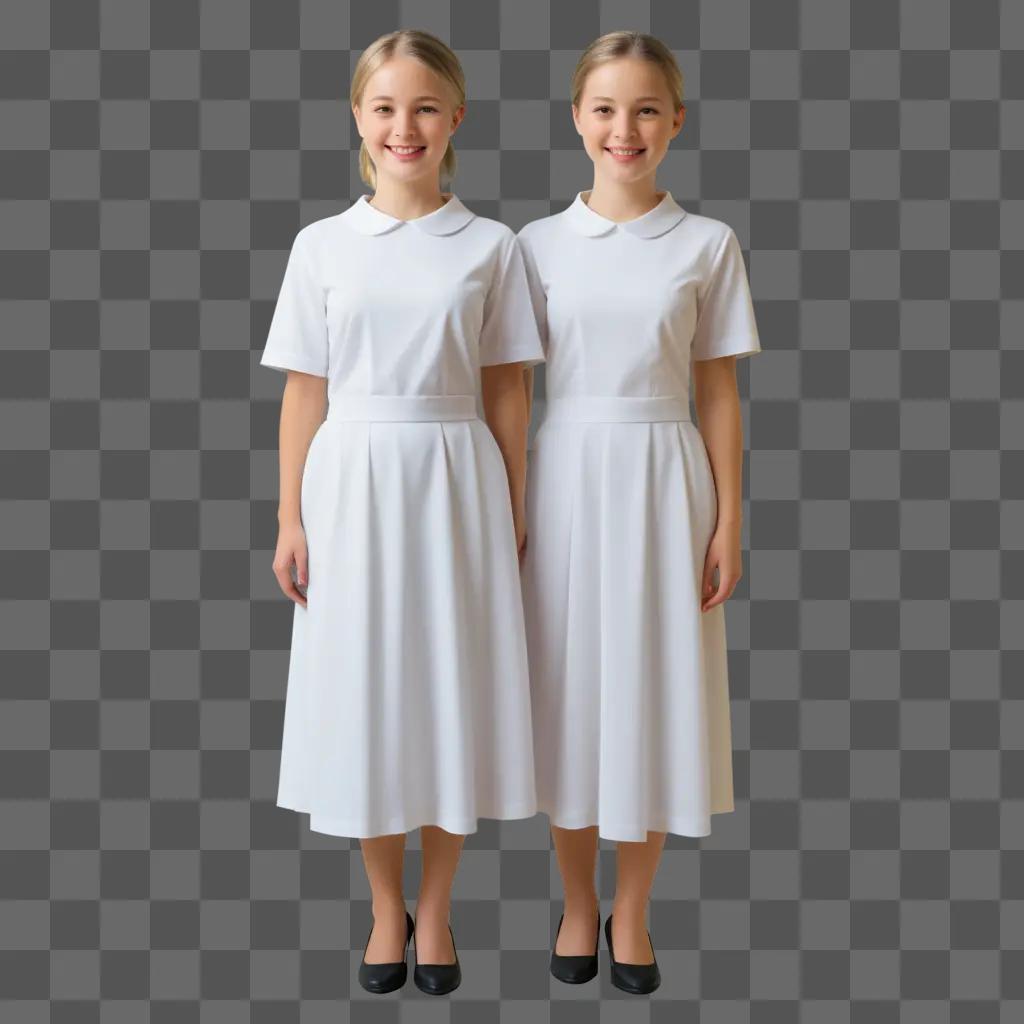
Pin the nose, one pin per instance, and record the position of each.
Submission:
(404, 125)
(624, 129)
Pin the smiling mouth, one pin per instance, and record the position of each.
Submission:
(621, 151)
(405, 150)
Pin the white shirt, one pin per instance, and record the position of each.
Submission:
(622, 308)
(382, 306)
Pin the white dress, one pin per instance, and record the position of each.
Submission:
(408, 693)
(629, 678)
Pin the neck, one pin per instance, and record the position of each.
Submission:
(407, 200)
(621, 201)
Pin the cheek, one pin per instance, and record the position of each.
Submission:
(438, 131)
(655, 136)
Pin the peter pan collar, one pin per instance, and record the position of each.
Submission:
(445, 220)
(666, 215)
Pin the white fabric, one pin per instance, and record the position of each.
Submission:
(612, 409)
(629, 678)
(408, 695)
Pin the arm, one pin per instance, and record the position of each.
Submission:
(717, 402)
(528, 384)
(302, 411)
(506, 412)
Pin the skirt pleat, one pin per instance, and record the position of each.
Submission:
(408, 695)
(629, 678)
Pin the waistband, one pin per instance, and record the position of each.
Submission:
(614, 409)
(399, 408)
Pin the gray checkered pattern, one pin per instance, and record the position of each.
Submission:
(156, 161)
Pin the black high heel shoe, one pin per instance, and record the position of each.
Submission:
(381, 978)
(437, 979)
(577, 968)
(636, 978)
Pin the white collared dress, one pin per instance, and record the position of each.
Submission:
(407, 700)
(629, 678)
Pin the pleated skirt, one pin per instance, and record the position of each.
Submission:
(408, 695)
(629, 678)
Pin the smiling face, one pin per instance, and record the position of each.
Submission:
(626, 117)
(406, 117)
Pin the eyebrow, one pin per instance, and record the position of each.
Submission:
(416, 100)
(641, 99)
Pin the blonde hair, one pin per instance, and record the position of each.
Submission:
(428, 50)
(614, 45)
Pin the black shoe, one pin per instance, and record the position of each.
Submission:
(636, 978)
(578, 968)
(438, 979)
(380, 978)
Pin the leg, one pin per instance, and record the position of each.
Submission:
(576, 849)
(441, 852)
(637, 864)
(382, 857)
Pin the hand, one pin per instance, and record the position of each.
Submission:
(291, 549)
(724, 554)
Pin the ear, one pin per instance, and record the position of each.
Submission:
(576, 118)
(460, 113)
(677, 121)
(355, 114)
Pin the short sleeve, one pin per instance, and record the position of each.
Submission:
(509, 331)
(297, 339)
(538, 297)
(725, 309)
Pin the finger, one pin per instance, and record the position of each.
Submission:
(295, 594)
(726, 585)
(284, 578)
(302, 567)
(287, 585)
(716, 598)
(707, 587)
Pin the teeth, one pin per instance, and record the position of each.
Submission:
(404, 150)
(624, 152)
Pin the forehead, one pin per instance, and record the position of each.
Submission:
(404, 76)
(626, 77)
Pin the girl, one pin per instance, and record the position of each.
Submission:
(408, 695)
(628, 517)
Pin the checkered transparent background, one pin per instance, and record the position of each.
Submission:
(156, 161)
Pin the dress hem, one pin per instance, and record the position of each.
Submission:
(327, 825)
(633, 832)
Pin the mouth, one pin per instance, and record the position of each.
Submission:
(624, 154)
(406, 152)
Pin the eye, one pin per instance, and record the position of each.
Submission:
(383, 106)
(428, 107)
(601, 110)
(651, 109)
